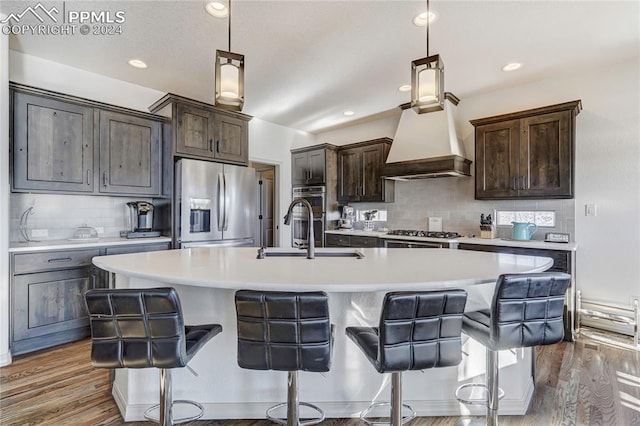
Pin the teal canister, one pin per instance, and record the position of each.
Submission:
(523, 230)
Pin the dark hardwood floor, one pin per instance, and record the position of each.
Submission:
(585, 383)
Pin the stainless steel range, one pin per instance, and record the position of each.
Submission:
(415, 238)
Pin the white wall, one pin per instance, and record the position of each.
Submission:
(5, 356)
(270, 143)
(363, 131)
(607, 173)
(45, 74)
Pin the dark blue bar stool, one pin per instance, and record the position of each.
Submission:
(142, 328)
(417, 330)
(285, 331)
(526, 311)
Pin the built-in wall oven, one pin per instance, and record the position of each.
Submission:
(315, 195)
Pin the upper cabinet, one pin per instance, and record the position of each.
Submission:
(64, 144)
(359, 177)
(527, 154)
(52, 145)
(129, 154)
(309, 166)
(204, 132)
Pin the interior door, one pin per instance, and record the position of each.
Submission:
(240, 210)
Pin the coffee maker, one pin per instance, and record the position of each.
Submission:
(141, 220)
(348, 217)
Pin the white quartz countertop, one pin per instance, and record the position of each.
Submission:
(18, 247)
(537, 244)
(380, 270)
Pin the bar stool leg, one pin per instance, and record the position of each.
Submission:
(396, 399)
(293, 411)
(493, 391)
(165, 397)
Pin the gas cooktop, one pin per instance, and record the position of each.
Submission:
(419, 233)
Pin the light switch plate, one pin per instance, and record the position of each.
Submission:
(435, 224)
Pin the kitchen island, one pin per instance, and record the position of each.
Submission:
(206, 279)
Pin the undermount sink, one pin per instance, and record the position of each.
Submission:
(319, 252)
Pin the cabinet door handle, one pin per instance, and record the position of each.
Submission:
(218, 146)
(88, 176)
(524, 180)
(105, 180)
(211, 145)
(59, 259)
(514, 183)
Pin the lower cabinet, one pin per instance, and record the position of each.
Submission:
(341, 240)
(47, 294)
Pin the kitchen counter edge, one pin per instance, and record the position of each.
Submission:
(534, 244)
(18, 247)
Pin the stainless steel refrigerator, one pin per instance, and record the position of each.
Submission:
(215, 204)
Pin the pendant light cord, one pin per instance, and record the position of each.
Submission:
(428, 13)
(230, 25)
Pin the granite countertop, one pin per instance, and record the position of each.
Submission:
(537, 244)
(379, 270)
(19, 247)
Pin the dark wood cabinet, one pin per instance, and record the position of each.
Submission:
(528, 154)
(130, 154)
(204, 132)
(359, 177)
(52, 145)
(309, 165)
(342, 240)
(47, 293)
(47, 298)
(65, 144)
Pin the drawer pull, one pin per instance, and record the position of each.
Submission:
(59, 259)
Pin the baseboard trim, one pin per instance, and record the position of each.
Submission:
(5, 359)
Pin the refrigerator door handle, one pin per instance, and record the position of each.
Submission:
(225, 222)
(221, 197)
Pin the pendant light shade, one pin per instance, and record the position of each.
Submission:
(427, 84)
(229, 72)
(427, 81)
(229, 80)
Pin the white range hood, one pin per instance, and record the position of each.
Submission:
(427, 146)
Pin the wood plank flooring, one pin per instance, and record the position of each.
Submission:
(585, 383)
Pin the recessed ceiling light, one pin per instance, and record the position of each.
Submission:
(348, 113)
(421, 18)
(512, 66)
(404, 88)
(137, 63)
(216, 8)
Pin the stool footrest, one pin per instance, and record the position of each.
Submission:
(479, 401)
(365, 412)
(156, 418)
(308, 422)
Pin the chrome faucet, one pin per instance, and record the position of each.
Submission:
(311, 250)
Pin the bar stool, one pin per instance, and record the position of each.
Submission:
(285, 331)
(142, 328)
(418, 330)
(526, 311)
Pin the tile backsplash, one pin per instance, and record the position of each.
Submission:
(452, 199)
(61, 214)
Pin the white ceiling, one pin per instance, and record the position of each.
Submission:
(308, 61)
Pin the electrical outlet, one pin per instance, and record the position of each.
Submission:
(590, 210)
(39, 233)
(99, 230)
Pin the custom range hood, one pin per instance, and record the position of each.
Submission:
(427, 146)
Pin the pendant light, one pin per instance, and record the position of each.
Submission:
(229, 77)
(427, 81)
